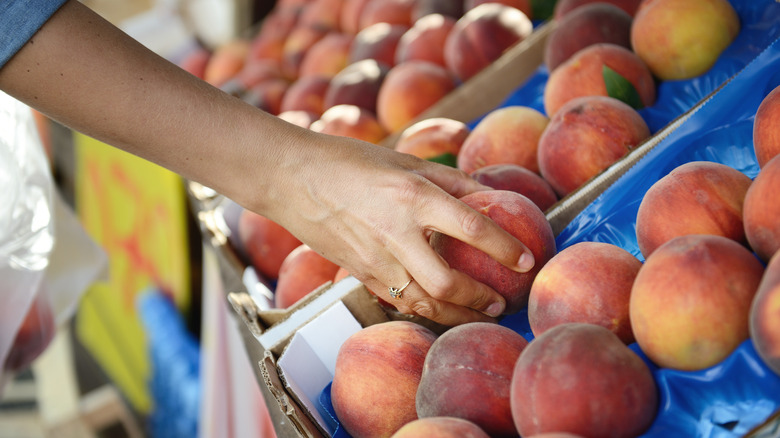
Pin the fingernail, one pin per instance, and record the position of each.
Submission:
(495, 309)
(526, 262)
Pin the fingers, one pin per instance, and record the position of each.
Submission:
(460, 221)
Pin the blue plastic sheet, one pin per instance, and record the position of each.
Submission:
(731, 398)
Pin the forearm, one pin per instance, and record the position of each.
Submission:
(90, 76)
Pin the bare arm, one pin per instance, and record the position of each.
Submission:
(365, 207)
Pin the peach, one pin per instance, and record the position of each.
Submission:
(691, 300)
(33, 336)
(523, 5)
(397, 12)
(408, 90)
(349, 17)
(682, 40)
(517, 179)
(378, 42)
(304, 119)
(278, 23)
(350, 121)
(581, 379)
(357, 84)
(761, 211)
(265, 243)
(322, 13)
(563, 7)
(378, 370)
(438, 139)
(766, 134)
(301, 272)
(467, 373)
(268, 48)
(297, 44)
(520, 217)
(764, 318)
(256, 71)
(448, 8)
(589, 24)
(267, 95)
(341, 274)
(424, 41)
(226, 61)
(327, 56)
(481, 36)
(195, 62)
(307, 93)
(698, 197)
(507, 135)
(583, 75)
(440, 427)
(586, 282)
(584, 137)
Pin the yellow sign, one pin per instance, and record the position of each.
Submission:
(137, 212)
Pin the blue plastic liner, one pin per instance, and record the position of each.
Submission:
(731, 398)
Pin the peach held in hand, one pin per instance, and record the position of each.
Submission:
(519, 216)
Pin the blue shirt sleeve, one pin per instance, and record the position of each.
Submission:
(19, 20)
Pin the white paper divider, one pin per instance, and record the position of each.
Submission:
(309, 361)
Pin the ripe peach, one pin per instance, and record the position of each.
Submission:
(764, 318)
(268, 94)
(585, 282)
(581, 379)
(438, 139)
(467, 373)
(682, 40)
(350, 121)
(520, 217)
(698, 197)
(377, 373)
(408, 90)
(690, 301)
(296, 45)
(322, 13)
(584, 137)
(583, 75)
(265, 243)
(256, 71)
(449, 8)
(33, 335)
(424, 41)
(349, 19)
(327, 56)
(589, 24)
(226, 61)
(523, 5)
(302, 271)
(387, 11)
(440, 427)
(761, 211)
(304, 119)
(269, 48)
(195, 62)
(357, 84)
(378, 42)
(563, 7)
(507, 135)
(517, 179)
(766, 135)
(481, 36)
(307, 93)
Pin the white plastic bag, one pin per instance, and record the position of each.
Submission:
(41, 277)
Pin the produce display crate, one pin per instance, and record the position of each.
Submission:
(277, 339)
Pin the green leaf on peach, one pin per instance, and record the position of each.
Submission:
(447, 159)
(620, 88)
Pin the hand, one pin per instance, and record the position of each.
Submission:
(372, 210)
